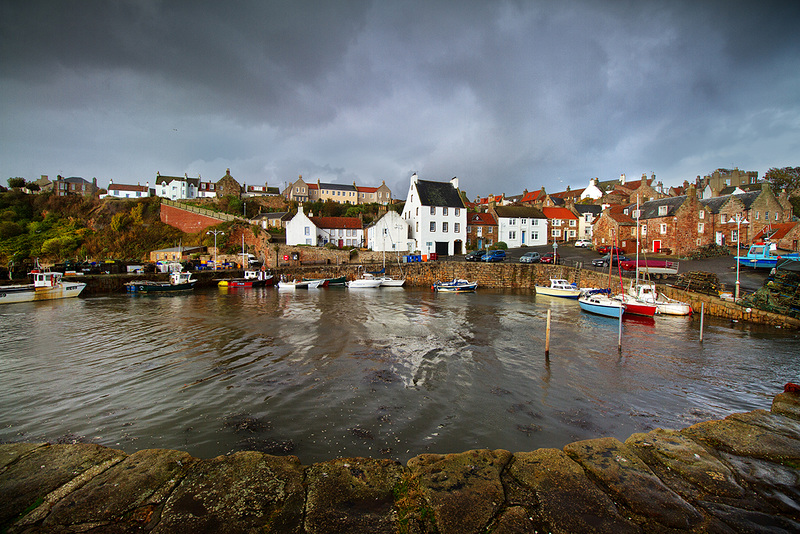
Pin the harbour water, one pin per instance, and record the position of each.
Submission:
(388, 373)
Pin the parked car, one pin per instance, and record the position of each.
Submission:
(583, 243)
(609, 249)
(551, 257)
(495, 255)
(603, 262)
(475, 255)
(530, 257)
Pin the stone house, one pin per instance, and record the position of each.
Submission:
(367, 195)
(481, 230)
(612, 223)
(228, 186)
(74, 185)
(520, 226)
(298, 191)
(562, 223)
(436, 217)
(271, 220)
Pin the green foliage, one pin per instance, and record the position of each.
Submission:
(500, 245)
(16, 182)
(9, 229)
(784, 178)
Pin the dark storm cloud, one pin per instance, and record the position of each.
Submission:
(505, 95)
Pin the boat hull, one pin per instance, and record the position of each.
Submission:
(364, 283)
(460, 286)
(392, 282)
(242, 282)
(158, 287)
(27, 293)
(558, 292)
(601, 305)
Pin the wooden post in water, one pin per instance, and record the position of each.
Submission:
(619, 334)
(702, 315)
(547, 337)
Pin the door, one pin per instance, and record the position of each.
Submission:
(656, 245)
(442, 248)
(523, 238)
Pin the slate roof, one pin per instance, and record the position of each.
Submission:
(438, 194)
(519, 212)
(594, 209)
(335, 187)
(649, 209)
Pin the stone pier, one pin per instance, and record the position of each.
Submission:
(740, 474)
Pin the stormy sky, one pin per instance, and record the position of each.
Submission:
(505, 95)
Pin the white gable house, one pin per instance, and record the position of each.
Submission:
(389, 233)
(301, 230)
(436, 216)
(521, 226)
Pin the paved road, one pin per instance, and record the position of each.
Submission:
(724, 267)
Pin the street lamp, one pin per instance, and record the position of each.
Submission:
(216, 233)
(739, 220)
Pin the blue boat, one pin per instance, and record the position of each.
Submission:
(759, 256)
(600, 303)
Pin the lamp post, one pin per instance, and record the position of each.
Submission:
(216, 233)
(739, 221)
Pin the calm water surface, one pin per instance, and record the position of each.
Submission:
(383, 373)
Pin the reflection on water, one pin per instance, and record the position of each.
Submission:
(383, 373)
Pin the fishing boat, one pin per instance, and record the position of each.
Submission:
(178, 281)
(457, 285)
(299, 284)
(634, 306)
(366, 280)
(647, 292)
(47, 285)
(559, 288)
(251, 279)
(599, 303)
(338, 281)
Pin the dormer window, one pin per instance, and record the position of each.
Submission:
(662, 210)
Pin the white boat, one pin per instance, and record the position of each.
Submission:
(388, 281)
(299, 284)
(47, 285)
(457, 285)
(178, 281)
(366, 280)
(559, 288)
(601, 304)
(647, 292)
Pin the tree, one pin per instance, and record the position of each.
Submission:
(16, 182)
(786, 178)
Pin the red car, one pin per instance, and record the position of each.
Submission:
(605, 249)
(549, 257)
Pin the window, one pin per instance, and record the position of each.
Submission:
(417, 212)
(572, 233)
(512, 222)
(702, 214)
(644, 230)
(416, 227)
(535, 222)
(776, 215)
(700, 228)
(512, 235)
(307, 230)
(469, 228)
(479, 231)
(433, 226)
(663, 228)
(723, 218)
(756, 215)
(458, 212)
(444, 211)
(556, 232)
(433, 210)
(534, 235)
(444, 226)
(308, 241)
(456, 227)
(556, 222)
(490, 230)
(698, 242)
(662, 210)
(766, 216)
(523, 222)
(573, 222)
(735, 236)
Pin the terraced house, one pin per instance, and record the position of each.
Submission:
(436, 217)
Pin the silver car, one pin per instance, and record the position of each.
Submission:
(530, 257)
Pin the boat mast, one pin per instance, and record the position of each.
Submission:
(637, 242)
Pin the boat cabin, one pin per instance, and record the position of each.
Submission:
(46, 279)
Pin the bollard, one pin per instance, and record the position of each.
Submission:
(547, 337)
(702, 314)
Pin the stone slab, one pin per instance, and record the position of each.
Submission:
(464, 490)
(11, 452)
(37, 479)
(746, 440)
(352, 495)
(243, 492)
(787, 404)
(631, 482)
(567, 500)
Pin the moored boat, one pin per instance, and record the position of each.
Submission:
(647, 292)
(250, 279)
(599, 303)
(559, 288)
(457, 285)
(178, 281)
(634, 306)
(299, 284)
(47, 285)
(367, 280)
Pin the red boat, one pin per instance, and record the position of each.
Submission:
(251, 279)
(634, 306)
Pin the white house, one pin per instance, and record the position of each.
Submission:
(305, 229)
(592, 191)
(436, 216)
(389, 233)
(177, 187)
(520, 226)
(301, 230)
(128, 191)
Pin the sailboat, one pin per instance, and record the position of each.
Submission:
(633, 305)
(388, 281)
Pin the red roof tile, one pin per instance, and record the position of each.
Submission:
(337, 222)
(559, 213)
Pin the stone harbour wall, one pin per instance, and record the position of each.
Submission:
(740, 474)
